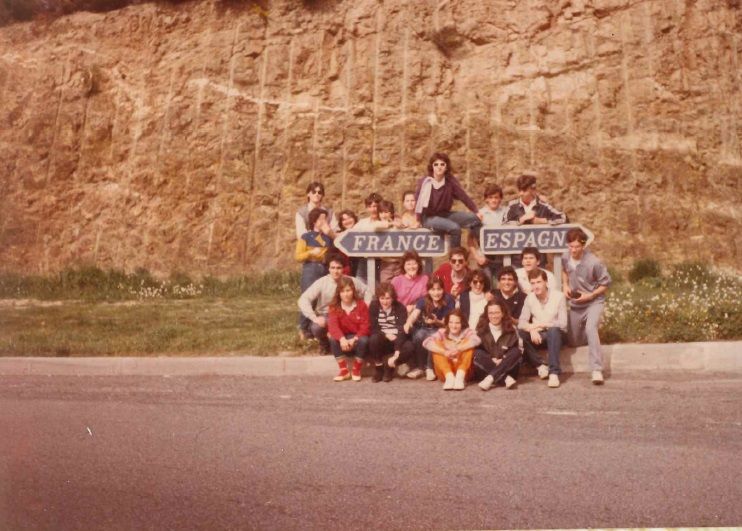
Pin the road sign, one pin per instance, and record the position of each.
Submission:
(511, 239)
(370, 244)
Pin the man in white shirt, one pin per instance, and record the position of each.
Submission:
(530, 257)
(314, 302)
(543, 321)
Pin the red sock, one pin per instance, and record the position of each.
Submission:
(357, 365)
(343, 366)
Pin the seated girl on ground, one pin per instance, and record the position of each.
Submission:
(427, 318)
(499, 356)
(452, 348)
(348, 329)
(388, 343)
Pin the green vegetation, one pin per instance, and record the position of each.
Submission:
(90, 312)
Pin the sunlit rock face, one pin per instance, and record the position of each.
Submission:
(182, 137)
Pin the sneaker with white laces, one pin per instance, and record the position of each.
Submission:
(460, 382)
(403, 369)
(597, 378)
(543, 371)
(415, 374)
(430, 375)
(509, 382)
(450, 382)
(343, 375)
(485, 384)
(554, 380)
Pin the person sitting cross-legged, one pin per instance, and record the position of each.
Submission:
(542, 322)
(498, 358)
(452, 349)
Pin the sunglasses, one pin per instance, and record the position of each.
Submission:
(477, 281)
(457, 260)
(439, 164)
(320, 192)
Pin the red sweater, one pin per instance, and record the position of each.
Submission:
(444, 272)
(356, 322)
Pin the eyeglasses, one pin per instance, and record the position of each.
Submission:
(439, 164)
(320, 192)
(457, 260)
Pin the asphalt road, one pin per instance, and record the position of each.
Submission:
(307, 453)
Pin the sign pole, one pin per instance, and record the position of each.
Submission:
(371, 272)
(558, 270)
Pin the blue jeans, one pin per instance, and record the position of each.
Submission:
(310, 271)
(423, 359)
(552, 338)
(359, 351)
(452, 223)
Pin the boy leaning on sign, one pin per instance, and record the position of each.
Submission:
(585, 280)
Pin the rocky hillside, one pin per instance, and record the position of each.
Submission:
(182, 135)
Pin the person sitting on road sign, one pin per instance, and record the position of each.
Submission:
(311, 249)
(388, 344)
(529, 209)
(372, 223)
(585, 280)
(508, 293)
(530, 258)
(434, 197)
(493, 215)
(426, 318)
(314, 302)
(455, 273)
(543, 321)
(499, 357)
(348, 329)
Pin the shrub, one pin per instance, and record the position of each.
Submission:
(644, 268)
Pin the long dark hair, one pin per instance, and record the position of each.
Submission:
(444, 158)
(429, 303)
(507, 321)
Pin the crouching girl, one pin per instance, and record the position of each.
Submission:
(452, 348)
(499, 356)
(388, 344)
(348, 329)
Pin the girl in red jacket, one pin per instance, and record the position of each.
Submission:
(348, 329)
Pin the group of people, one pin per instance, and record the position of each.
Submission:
(458, 323)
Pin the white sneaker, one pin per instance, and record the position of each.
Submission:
(393, 359)
(543, 371)
(597, 378)
(460, 381)
(554, 380)
(485, 384)
(415, 374)
(450, 382)
(403, 369)
(430, 375)
(509, 382)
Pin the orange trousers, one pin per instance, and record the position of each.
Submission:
(445, 365)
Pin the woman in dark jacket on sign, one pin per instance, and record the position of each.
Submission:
(389, 344)
(499, 356)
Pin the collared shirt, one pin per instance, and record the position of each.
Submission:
(493, 218)
(552, 313)
(525, 285)
(586, 275)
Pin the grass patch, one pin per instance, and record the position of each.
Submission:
(260, 325)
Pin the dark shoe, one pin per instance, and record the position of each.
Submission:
(388, 374)
(378, 373)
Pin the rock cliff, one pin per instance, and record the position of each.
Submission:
(181, 137)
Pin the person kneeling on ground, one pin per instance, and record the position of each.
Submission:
(452, 348)
(314, 302)
(543, 320)
(585, 279)
(498, 358)
(348, 328)
(388, 344)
